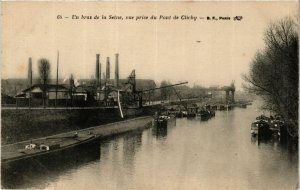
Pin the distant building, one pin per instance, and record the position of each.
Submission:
(12, 87)
(81, 95)
(35, 95)
(36, 91)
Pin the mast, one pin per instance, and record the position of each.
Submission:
(97, 75)
(100, 86)
(56, 78)
(30, 78)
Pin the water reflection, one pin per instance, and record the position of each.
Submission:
(160, 132)
(190, 154)
(266, 140)
(131, 145)
(275, 142)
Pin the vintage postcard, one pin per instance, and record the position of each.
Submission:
(149, 95)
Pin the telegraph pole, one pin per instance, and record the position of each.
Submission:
(30, 78)
(56, 79)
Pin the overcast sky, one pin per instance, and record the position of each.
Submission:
(156, 49)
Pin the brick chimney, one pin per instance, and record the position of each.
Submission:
(117, 71)
(30, 72)
(107, 69)
(97, 74)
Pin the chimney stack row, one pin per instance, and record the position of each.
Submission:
(106, 75)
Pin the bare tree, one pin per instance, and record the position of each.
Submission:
(165, 93)
(274, 72)
(44, 72)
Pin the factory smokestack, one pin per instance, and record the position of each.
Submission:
(30, 72)
(97, 75)
(117, 71)
(107, 69)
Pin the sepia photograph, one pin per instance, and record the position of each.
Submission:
(152, 95)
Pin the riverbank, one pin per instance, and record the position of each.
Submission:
(11, 152)
(25, 124)
(216, 154)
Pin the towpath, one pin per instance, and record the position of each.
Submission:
(12, 152)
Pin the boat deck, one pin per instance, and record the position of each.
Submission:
(17, 151)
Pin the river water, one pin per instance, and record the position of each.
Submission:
(189, 154)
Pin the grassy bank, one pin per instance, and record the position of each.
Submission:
(25, 124)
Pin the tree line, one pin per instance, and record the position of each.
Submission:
(274, 72)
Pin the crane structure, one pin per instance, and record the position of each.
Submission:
(167, 86)
(131, 95)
